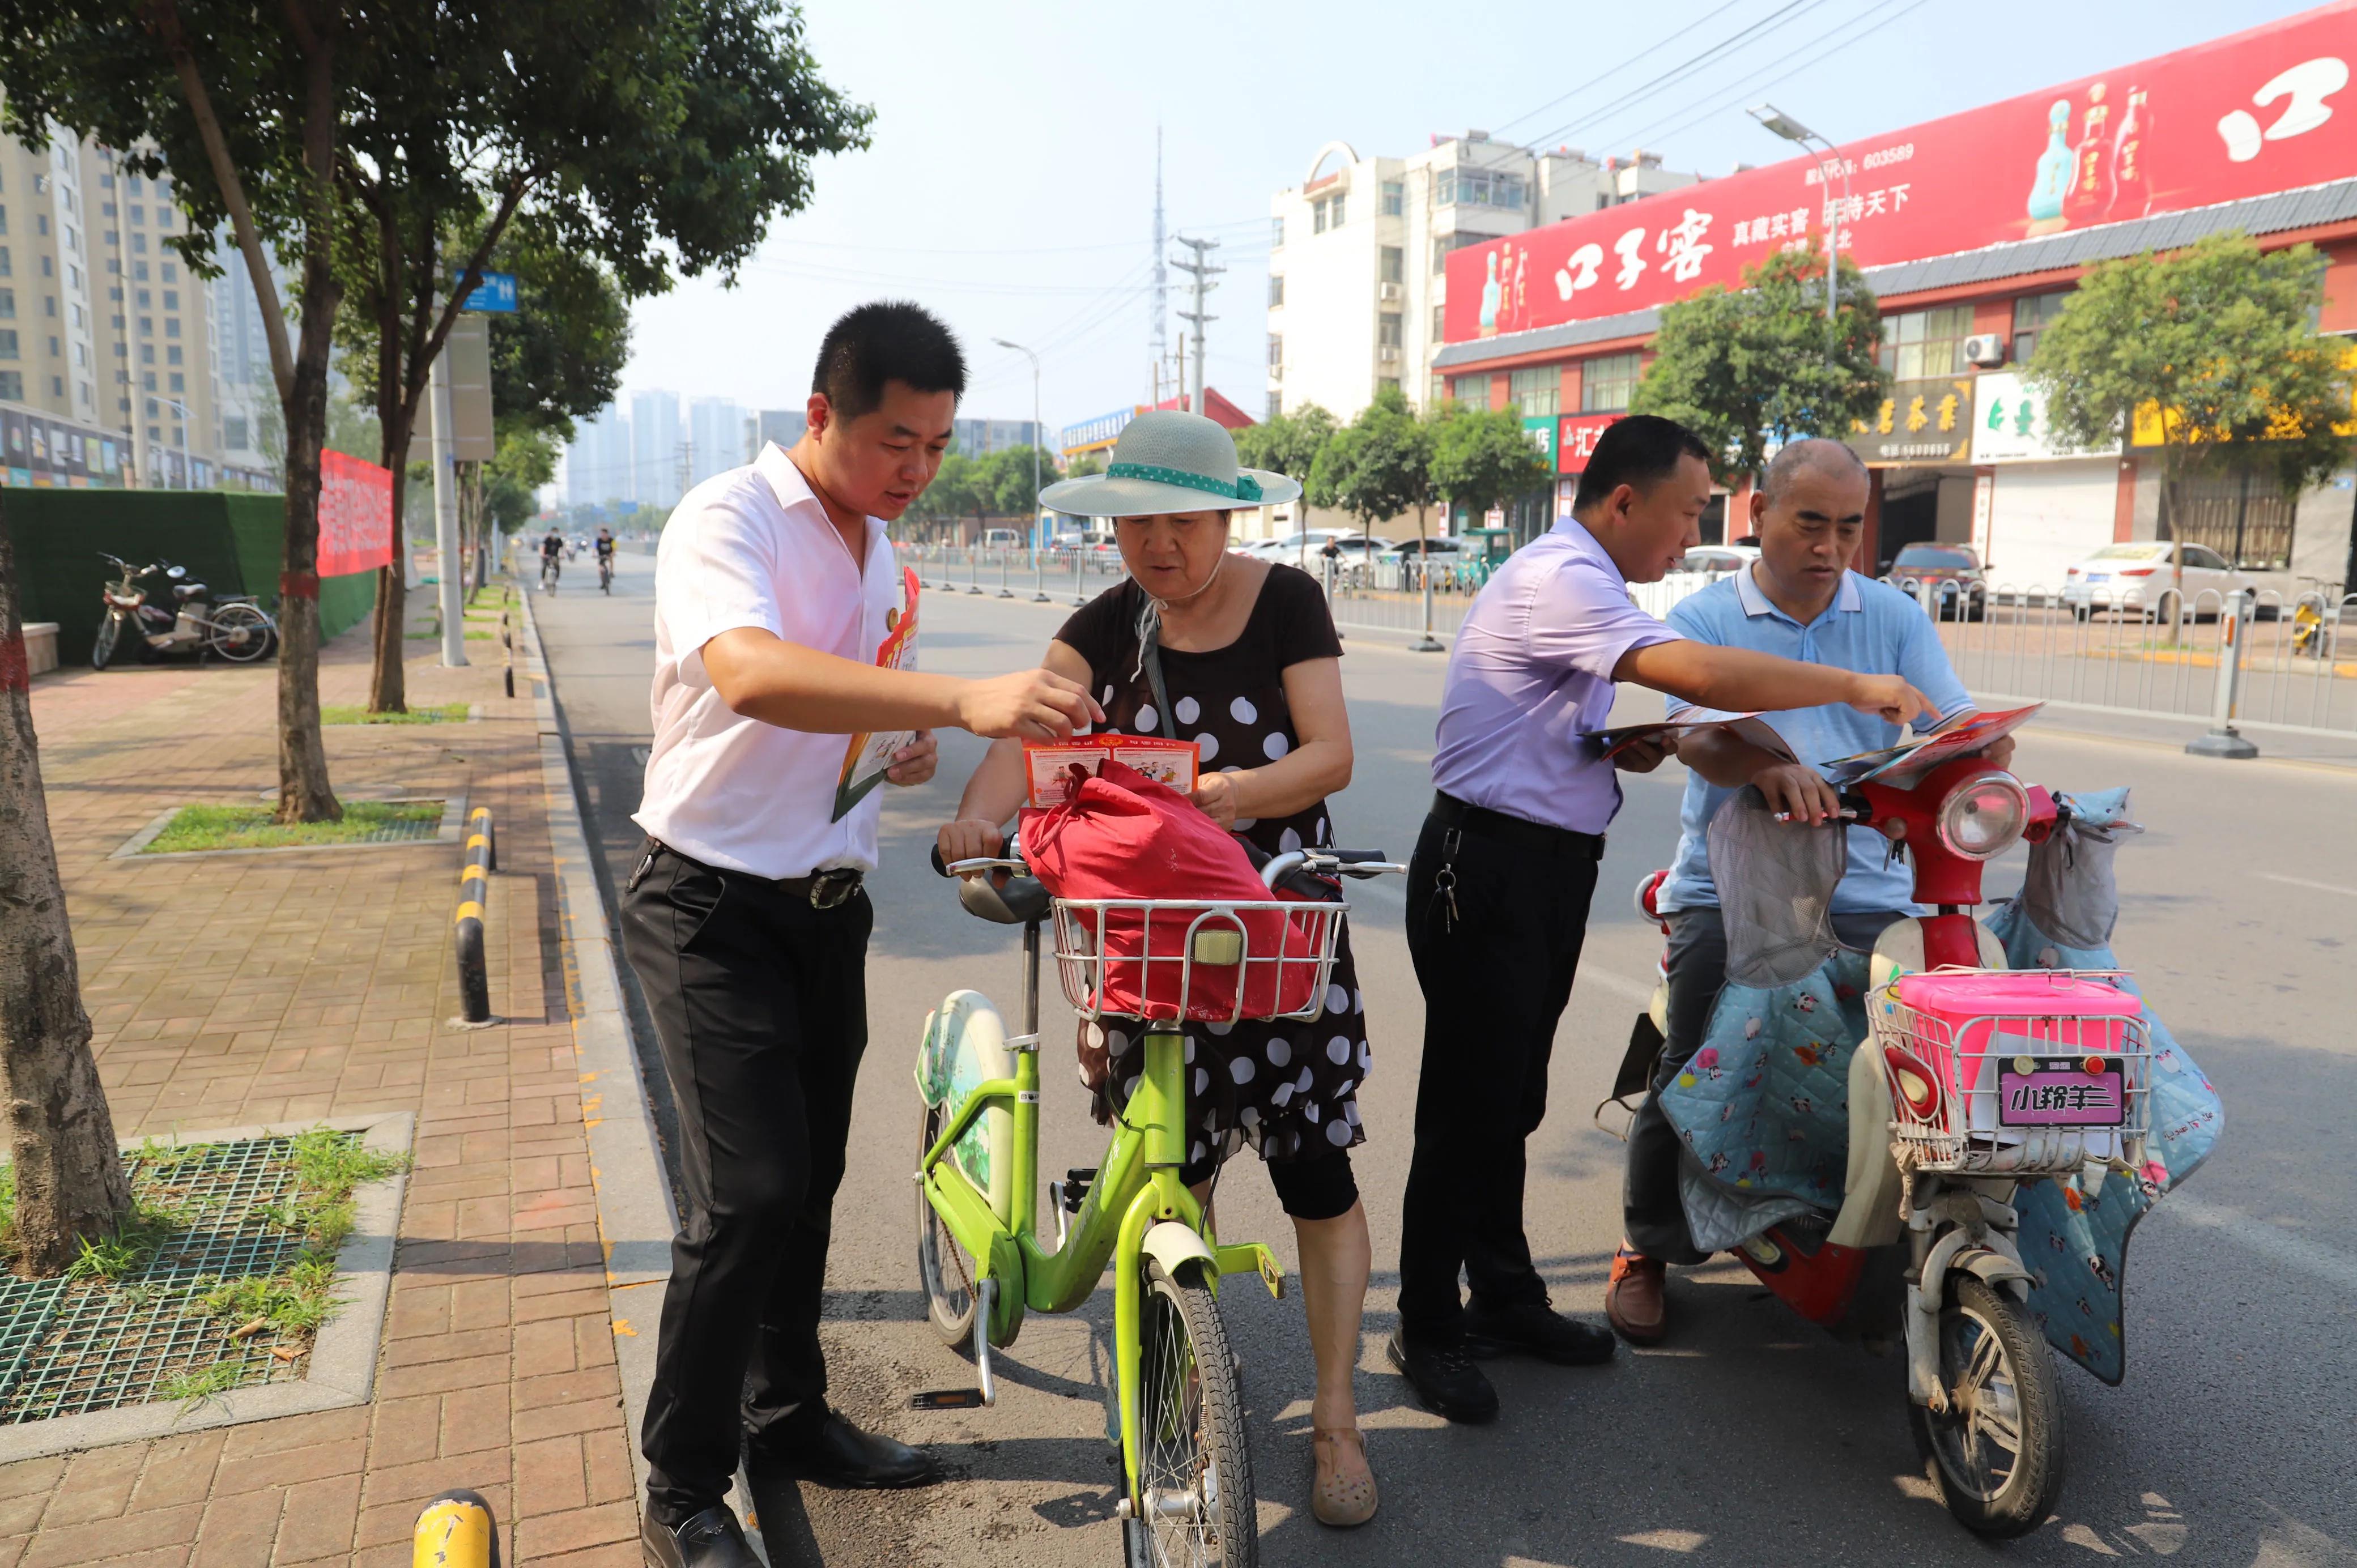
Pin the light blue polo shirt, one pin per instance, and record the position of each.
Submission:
(1873, 628)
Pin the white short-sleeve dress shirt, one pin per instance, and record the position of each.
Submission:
(754, 547)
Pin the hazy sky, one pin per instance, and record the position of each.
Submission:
(1010, 185)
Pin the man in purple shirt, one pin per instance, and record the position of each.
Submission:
(1499, 889)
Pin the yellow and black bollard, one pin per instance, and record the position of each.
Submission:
(473, 893)
(456, 1531)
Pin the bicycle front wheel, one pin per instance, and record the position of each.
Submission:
(1194, 1465)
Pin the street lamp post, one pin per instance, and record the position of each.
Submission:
(1038, 567)
(187, 474)
(1780, 123)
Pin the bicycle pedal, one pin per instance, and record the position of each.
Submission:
(947, 1398)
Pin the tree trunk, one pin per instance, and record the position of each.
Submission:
(69, 1174)
(303, 793)
(388, 685)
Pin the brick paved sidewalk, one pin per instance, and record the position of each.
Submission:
(283, 986)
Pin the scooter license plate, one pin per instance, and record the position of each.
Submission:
(2060, 1091)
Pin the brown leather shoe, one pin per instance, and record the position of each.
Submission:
(1633, 1299)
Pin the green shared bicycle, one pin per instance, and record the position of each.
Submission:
(1174, 1406)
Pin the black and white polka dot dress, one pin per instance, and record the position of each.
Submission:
(1289, 1088)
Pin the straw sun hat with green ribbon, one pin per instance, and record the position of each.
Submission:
(1169, 462)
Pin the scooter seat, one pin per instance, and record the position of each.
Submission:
(187, 591)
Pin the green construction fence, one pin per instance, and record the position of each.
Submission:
(231, 541)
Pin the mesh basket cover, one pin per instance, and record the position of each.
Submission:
(2071, 892)
(1776, 884)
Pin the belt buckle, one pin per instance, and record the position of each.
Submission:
(831, 888)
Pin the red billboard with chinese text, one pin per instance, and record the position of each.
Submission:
(2262, 111)
(1574, 440)
(355, 515)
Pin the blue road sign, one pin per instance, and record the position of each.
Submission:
(496, 292)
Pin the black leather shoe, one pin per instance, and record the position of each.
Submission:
(1534, 1330)
(837, 1454)
(713, 1539)
(1444, 1379)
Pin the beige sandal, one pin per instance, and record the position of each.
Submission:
(1339, 1500)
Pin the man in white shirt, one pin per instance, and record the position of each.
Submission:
(745, 920)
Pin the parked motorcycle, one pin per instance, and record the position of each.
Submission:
(233, 625)
(1941, 1148)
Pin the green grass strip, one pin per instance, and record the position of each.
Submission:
(249, 827)
(430, 713)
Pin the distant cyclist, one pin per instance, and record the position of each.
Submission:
(604, 559)
(552, 559)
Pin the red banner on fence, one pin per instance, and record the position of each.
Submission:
(2262, 111)
(355, 515)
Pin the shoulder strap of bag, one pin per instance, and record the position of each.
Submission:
(1152, 658)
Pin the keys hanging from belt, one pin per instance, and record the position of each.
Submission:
(1443, 881)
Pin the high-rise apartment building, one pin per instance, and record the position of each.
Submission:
(598, 465)
(1358, 254)
(715, 438)
(107, 342)
(657, 461)
(976, 438)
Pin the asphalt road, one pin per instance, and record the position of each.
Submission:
(1752, 1438)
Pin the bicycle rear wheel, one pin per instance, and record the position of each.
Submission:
(240, 633)
(945, 1269)
(1194, 1465)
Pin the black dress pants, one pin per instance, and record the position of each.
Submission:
(1653, 1212)
(1495, 977)
(760, 1006)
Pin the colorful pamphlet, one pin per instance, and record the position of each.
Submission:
(1904, 766)
(1047, 764)
(869, 756)
(1744, 726)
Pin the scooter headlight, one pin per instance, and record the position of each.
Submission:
(1984, 815)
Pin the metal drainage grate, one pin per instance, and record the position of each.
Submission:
(71, 1346)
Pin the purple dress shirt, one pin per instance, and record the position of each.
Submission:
(1531, 675)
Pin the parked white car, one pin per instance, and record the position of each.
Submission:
(2141, 576)
(1718, 560)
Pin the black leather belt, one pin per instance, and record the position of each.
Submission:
(824, 889)
(1483, 822)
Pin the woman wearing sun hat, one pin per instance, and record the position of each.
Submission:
(1251, 667)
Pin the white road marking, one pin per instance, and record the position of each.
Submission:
(2272, 1241)
(2304, 882)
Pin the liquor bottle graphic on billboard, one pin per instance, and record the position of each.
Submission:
(2054, 165)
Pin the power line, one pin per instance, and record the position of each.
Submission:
(1714, 110)
(1604, 75)
(1716, 52)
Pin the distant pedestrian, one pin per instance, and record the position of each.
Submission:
(745, 920)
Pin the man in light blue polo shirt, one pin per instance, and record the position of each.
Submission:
(1800, 601)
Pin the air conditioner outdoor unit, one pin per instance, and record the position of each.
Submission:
(1387, 352)
(1986, 349)
(1389, 293)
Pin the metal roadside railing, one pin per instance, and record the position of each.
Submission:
(2261, 658)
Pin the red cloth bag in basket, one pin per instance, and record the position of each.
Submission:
(1123, 835)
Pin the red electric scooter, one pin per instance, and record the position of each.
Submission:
(1974, 1080)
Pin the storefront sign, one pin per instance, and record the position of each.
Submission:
(1576, 438)
(1102, 431)
(355, 515)
(1540, 430)
(2266, 110)
(1919, 422)
(2009, 423)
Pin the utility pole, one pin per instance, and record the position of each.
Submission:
(451, 592)
(1202, 271)
(1157, 329)
(141, 477)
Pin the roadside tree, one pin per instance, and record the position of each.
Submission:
(1481, 457)
(1289, 445)
(64, 1181)
(242, 104)
(1379, 465)
(1748, 369)
(2211, 348)
(643, 140)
